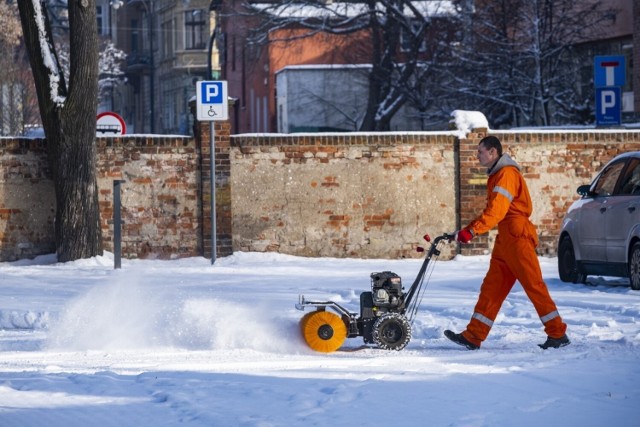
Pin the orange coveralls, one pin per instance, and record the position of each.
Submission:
(514, 257)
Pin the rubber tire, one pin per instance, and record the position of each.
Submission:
(568, 268)
(323, 331)
(391, 331)
(634, 267)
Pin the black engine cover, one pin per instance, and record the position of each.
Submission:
(386, 289)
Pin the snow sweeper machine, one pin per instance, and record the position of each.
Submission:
(386, 311)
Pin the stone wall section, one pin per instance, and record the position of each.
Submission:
(27, 199)
(333, 195)
(160, 195)
(554, 164)
(348, 195)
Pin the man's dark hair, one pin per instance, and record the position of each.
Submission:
(490, 142)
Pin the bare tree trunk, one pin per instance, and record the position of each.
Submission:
(69, 121)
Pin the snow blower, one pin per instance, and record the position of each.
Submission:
(386, 312)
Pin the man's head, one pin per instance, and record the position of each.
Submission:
(489, 151)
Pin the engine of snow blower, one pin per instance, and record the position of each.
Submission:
(386, 290)
(385, 312)
(386, 297)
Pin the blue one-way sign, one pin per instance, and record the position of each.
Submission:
(609, 71)
(211, 100)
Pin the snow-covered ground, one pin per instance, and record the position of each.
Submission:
(167, 343)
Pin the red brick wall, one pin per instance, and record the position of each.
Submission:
(223, 188)
(554, 165)
(342, 195)
(27, 200)
(160, 195)
(370, 195)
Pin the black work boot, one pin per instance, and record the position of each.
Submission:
(555, 342)
(460, 340)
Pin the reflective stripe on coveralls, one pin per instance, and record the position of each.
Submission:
(550, 316)
(504, 192)
(514, 257)
(483, 319)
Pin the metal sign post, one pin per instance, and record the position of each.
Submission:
(212, 171)
(117, 225)
(211, 105)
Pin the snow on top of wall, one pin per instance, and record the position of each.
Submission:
(466, 121)
(324, 67)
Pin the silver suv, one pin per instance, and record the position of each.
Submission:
(601, 231)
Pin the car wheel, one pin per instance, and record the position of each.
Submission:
(568, 268)
(634, 267)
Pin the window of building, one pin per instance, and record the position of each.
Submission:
(135, 36)
(194, 29)
(103, 29)
(169, 111)
(168, 39)
(407, 39)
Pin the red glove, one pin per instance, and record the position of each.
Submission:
(464, 236)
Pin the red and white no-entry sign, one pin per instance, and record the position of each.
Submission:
(110, 123)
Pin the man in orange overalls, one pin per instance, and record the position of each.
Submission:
(514, 256)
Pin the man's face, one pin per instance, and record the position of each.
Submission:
(487, 157)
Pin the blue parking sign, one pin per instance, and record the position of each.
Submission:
(211, 100)
(608, 106)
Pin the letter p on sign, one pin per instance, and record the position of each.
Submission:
(608, 100)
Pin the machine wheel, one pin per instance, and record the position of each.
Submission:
(568, 268)
(634, 267)
(391, 331)
(323, 331)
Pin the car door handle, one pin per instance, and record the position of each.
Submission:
(631, 208)
(603, 210)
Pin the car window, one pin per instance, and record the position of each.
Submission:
(630, 184)
(606, 181)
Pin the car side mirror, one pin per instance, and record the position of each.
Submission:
(584, 190)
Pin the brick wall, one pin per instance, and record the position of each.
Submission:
(161, 202)
(27, 200)
(347, 195)
(374, 195)
(342, 195)
(161, 197)
(554, 164)
(222, 172)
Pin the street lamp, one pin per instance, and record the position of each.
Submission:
(213, 7)
(148, 6)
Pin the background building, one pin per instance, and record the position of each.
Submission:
(166, 44)
(310, 84)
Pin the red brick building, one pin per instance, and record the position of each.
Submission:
(251, 69)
